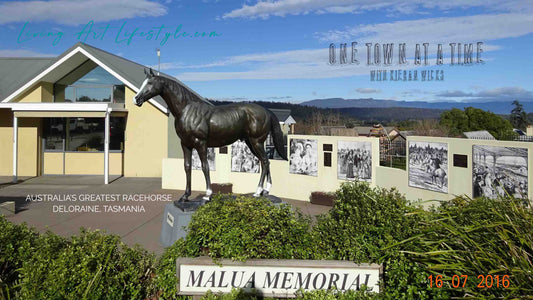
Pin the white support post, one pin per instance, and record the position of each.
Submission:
(106, 148)
(15, 149)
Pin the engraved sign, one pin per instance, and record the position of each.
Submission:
(274, 278)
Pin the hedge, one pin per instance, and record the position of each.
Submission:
(91, 265)
(366, 225)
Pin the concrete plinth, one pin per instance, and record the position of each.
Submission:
(174, 224)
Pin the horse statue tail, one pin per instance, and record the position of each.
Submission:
(277, 135)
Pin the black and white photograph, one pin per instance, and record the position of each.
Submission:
(499, 171)
(304, 157)
(242, 159)
(197, 163)
(428, 166)
(354, 160)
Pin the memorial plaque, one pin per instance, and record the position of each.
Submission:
(460, 160)
(274, 277)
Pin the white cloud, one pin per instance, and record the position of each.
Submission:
(168, 66)
(487, 95)
(78, 12)
(307, 64)
(454, 93)
(368, 91)
(23, 53)
(315, 66)
(506, 92)
(231, 99)
(281, 8)
(445, 30)
(292, 56)
(293, 64)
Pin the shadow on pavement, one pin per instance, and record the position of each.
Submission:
(20, 202)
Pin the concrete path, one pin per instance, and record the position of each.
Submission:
(63, 204)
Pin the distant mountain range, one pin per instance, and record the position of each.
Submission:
(499, 107)
(387, 114)
(374, 114)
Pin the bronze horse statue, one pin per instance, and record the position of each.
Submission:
(199, 124)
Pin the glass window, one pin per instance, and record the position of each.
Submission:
(70, 96)
(93, 94)
(117, 127)
(54, 132)
(83, 134)
(89, 83)
(119, 92)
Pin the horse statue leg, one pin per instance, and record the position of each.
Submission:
(268, 185)
(187, 153)
(258, 149)
(202, 152)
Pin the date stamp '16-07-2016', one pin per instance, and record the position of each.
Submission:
(460, 281)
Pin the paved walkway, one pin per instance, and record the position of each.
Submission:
(43, 202)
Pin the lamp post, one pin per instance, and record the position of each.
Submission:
(158, 60)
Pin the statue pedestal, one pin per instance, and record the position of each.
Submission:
(174, 223)
(177, 216)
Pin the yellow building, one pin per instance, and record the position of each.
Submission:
(74, 114)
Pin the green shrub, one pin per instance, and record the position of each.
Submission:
(362, 221)
(366, 225)
(363, 225)
(165, 279)
(238, 294)
(92, 265)
(480, 237)
(333, 295)
(238, 229)
(235, 294)
(17, 245)
(248, 227)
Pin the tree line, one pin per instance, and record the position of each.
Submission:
(422, 120)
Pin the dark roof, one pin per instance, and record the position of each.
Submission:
(129, 70)
(33, 71)
(16, 71)
(282, 114)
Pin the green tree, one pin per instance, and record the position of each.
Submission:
(518, 116)
(455, 120)
(473, 119)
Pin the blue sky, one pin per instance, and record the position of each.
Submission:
(277, 50)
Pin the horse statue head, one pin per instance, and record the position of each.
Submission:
(151, 87)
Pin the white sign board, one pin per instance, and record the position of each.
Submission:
(273, 278)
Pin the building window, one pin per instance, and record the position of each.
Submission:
(54, 133)
(89, 83)
(83, 134)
